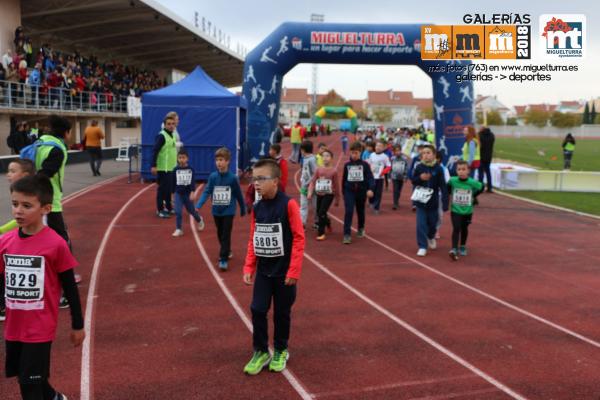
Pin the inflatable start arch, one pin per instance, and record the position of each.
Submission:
(347, 111)
(293, 43)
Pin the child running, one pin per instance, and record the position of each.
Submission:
(398, 174)
(274, 263)
(224, 188)
(326, 185)
(309, 166)
(184, 187)
(275, 154)
(358, 185)
(428, 180)
(463, 191)
(36, 262)
(380, 165)
(17, 169)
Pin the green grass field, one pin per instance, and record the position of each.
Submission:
(584, 202)
(546, 153)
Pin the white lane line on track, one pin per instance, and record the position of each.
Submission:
(472, 288)
(415, 331)
(85, 384)
(88, 189)
(287, 373)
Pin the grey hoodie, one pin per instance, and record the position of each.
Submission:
(309, 166)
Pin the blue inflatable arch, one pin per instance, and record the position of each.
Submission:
(293, 43)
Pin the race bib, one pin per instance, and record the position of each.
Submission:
(355, 173)
(323, 186)
(462, 197)
(24, 282)
(422, 194)
(268, 240)
(184, 177)
(221, 195)
(398, 168)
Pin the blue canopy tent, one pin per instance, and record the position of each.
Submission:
(210, 117)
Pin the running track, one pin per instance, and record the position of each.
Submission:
(517, 318)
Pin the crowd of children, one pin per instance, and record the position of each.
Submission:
(273, 260)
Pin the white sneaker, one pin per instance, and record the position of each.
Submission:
(177, 233)
(432, 244)
(422, 252)
(201, 224)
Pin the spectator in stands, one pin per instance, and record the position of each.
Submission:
(2, 84)
(7, 58)
(92, 141)
(486, 143)
(13, 79)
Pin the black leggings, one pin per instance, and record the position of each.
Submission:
(460, 227)
(323, 204)
(38, 391)
(224, 225)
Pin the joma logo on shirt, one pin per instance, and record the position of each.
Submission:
(24, 262)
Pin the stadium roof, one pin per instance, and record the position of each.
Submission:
(142, 33)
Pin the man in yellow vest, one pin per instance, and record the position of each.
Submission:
(296, 140)
(164, 160)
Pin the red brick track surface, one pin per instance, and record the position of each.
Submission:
(517, 318)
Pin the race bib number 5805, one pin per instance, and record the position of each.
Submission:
(24, 282)
(268, 240)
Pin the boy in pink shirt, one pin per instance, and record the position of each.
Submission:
(37, 264)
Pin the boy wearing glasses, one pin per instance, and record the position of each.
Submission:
(273, 264)
(224, 188)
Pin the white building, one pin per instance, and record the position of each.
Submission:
(405, 111)
(485, 104)
(293, 102)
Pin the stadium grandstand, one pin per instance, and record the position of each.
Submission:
(93, 60)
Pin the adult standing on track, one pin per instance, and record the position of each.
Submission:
(471, 149)
(50, 160)
(568, 146)
(296, 140)
(164, 160)
(486, 142)
(92, 138)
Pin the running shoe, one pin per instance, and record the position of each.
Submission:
(201, 224)
(2, 314)
(60, 396)
(164, 214)
(260, 359)
(63, 303)
(453, 254)
(177, 233)
(463, 251)
(320, 238)
(279, 360)
(171, 211)
(315, 226)
(230, 255)
(361, 233)
(223, 265)
(422, 252)
(432, 243)
(78, 278)
(347, 239)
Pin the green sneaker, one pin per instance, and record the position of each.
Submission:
(260, 359)
(463, 251)
(361, 233)
(279, 361)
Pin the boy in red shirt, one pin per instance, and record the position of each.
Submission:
(36, 263)
(273, 264)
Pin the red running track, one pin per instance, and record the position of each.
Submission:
(517, 318)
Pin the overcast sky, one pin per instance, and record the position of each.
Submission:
(249, 22)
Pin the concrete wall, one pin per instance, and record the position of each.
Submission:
(10, 19)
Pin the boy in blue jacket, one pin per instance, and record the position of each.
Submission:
(224, 189)
(429, 183)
